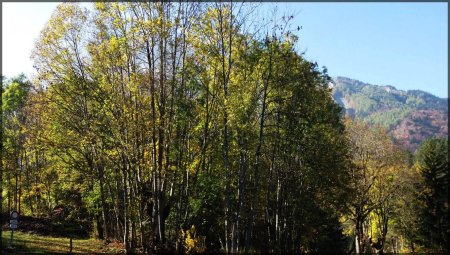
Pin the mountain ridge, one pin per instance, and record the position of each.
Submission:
(410, 116)
(383, 85)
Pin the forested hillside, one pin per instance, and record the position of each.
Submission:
(411, 116)
(181, 128)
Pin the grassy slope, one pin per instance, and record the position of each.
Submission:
(25, 243)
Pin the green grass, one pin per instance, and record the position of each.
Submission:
(25, 243)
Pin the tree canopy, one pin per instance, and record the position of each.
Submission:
(175, 127)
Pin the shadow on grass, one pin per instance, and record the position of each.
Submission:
(18, 247)
(27, 244)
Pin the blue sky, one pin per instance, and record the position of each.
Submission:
(399, 44)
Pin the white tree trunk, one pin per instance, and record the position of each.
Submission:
(357, 245)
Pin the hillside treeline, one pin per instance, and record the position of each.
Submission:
(194, 127)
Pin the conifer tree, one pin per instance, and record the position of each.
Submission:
(432, 164)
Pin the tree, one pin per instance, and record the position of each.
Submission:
(432, 164)
(405, 212)
(1, 156)
(13, 102)
(376, 167)
(173, 126)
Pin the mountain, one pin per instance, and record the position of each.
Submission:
(410, 116)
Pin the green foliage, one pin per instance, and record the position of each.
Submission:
(378, 168)
(432, 163)
(389, 118)
(383, 105)
(15, 94)
(172, 127)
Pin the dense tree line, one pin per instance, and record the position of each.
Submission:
(179, 127)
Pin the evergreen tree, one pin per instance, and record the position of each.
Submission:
(432, 163)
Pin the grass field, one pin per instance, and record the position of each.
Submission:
(25, 243)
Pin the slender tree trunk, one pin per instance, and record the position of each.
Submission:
(16, 180)
(103, 202)
(226, 71)
(161, 136)
(9, 193)
(27, 177)
(358, 234)
(151, 66)
(258, 154)
(19, 207)
(241, 185)
(125, 207)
